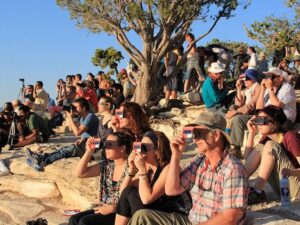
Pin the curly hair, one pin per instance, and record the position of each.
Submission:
(137, 118)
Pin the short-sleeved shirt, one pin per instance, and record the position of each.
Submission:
(287, 96)
(214, 191)
(291, 142)
(36, 122)
(41, 100)
(91, 122)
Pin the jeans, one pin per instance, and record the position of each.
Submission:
(238, 128)
(64, 153)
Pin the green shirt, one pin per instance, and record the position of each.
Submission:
(36, 122)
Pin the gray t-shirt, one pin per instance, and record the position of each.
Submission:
(287, 96)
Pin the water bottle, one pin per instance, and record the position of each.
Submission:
(41, 137)
(228, 130)
(285, 192)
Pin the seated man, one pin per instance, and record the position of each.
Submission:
(245, 101)
(274, 91)
(40, 97)
(37, 128)
(216, 180)
(88, 127)
(214, 93)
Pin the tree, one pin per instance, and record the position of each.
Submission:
(278, 34)
(109, 57)
(161, 26)
(233, 46)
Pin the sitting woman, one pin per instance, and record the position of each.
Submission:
(112, 170)
(133, 118)
(269, 154)
(147, 173)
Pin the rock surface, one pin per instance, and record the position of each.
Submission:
(27, 194)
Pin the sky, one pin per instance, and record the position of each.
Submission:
(39, 41)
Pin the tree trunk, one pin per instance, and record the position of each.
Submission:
(146, 89)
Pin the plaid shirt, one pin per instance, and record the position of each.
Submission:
(213, 191)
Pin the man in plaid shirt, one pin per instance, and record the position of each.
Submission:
(216, 180)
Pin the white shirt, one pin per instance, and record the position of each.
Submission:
(252, 64)
(287, 96)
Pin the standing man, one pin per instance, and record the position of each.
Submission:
(40, 97)
(88, 127)
(170, 61)
(216, 180)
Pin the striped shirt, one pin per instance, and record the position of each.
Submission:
(213, 191)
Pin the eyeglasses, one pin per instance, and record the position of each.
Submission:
(111, 144)
(102, 103)
(212, 180)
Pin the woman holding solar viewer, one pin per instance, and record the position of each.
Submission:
(130, 115)
(273, 153)
(148, 167)
(112, 170)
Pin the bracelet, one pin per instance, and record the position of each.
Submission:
(143, 174)
(143, 178)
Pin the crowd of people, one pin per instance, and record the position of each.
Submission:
(140, 178)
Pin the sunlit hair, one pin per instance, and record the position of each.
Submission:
(138, 120)
(126, 138)
(163, 152)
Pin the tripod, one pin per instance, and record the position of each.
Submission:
(21, 92)
(12, 131)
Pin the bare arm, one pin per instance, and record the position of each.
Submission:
(260, 100)
(77, 130)
(148, 194)
(82, 169)
(173, 186)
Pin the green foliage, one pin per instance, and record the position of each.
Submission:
(275, 33)
(109, 57)
(233, 46)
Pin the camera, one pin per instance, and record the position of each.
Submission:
(110, 91)
(68, 108)
(139, 147)
(261, 121)
(22, 79)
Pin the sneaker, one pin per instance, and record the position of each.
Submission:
(34, 160)
(3, 169)
(255, 197)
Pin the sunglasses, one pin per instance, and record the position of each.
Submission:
(120, 113)
(195, 133)
(111, 144)
(261, 120)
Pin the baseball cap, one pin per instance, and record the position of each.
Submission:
(251, 74)
(277, 72)
(212, 120)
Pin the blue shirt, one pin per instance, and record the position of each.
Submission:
(91, 122)
(211, 94)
